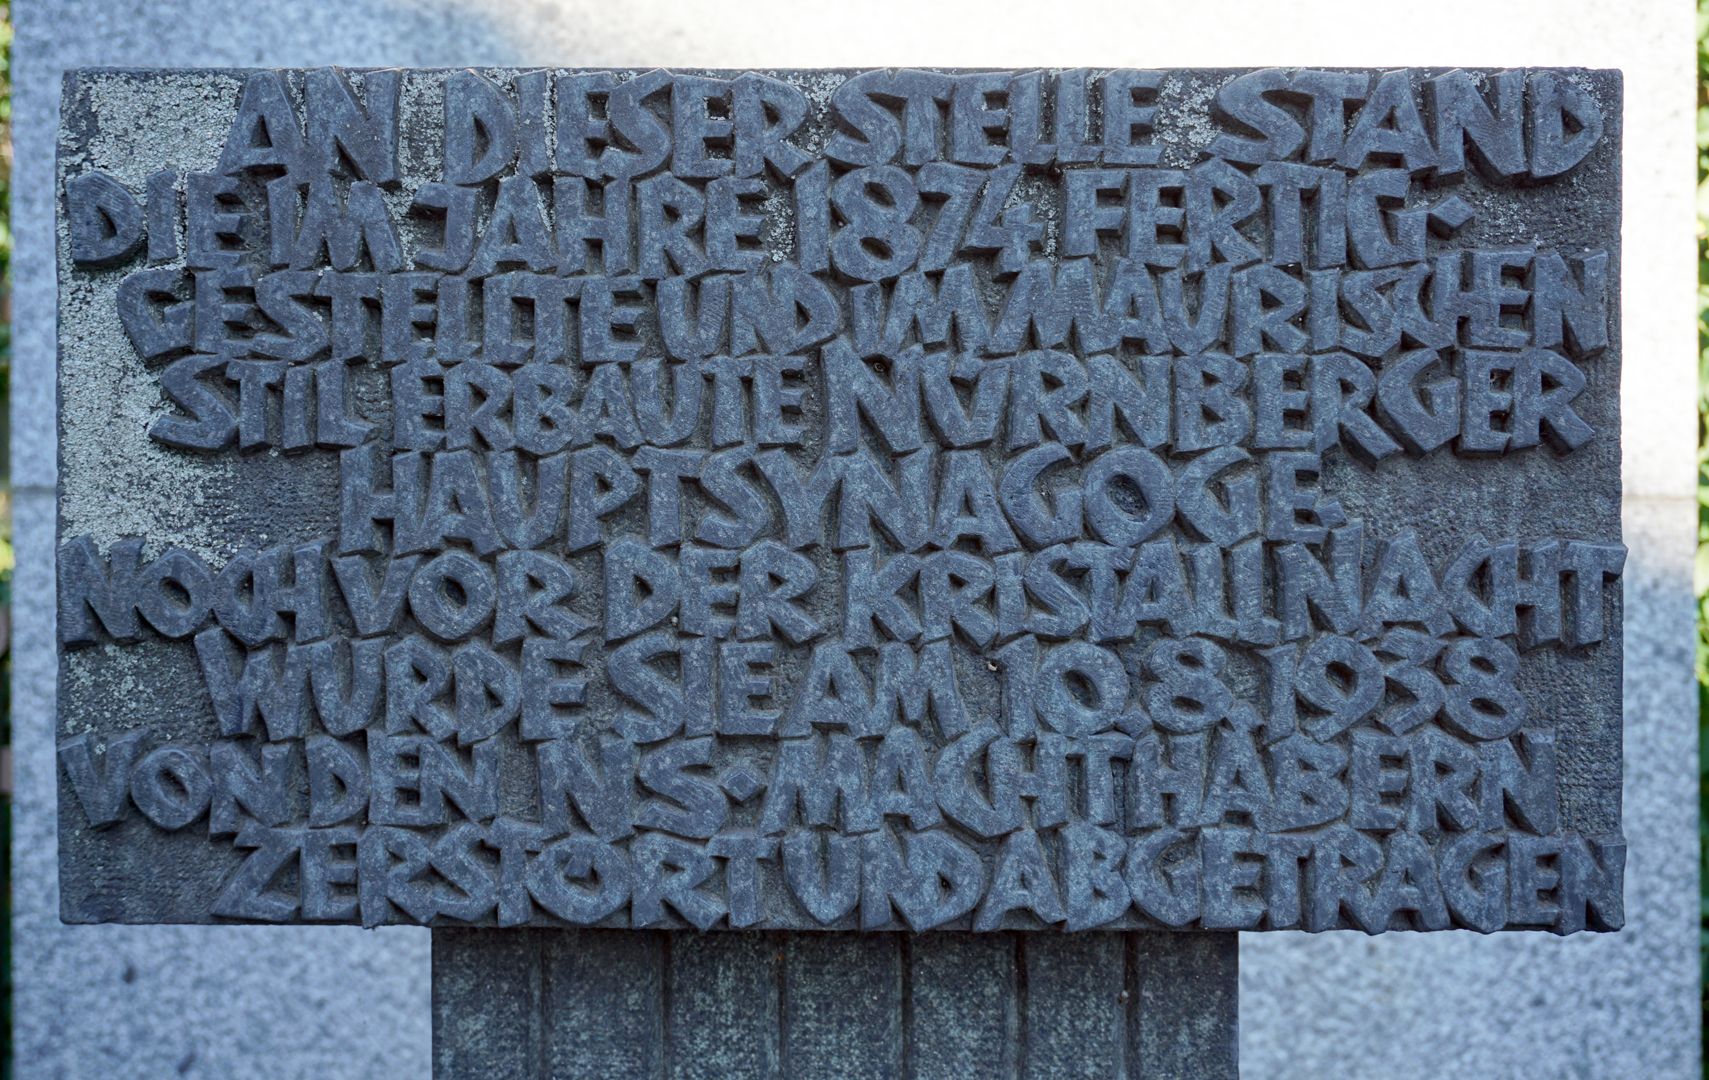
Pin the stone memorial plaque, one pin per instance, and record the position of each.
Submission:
(893, 499)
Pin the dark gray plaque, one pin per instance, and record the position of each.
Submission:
(847, 500)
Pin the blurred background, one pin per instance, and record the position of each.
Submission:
(334, 1002)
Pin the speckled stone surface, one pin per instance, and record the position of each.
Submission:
(112, 1001)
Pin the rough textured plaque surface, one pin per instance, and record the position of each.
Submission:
(895, 499)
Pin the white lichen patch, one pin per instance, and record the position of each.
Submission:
(183, 127)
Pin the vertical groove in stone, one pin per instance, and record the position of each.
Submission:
(542, 944)
(784, 1006)
(905, 948)
(1130, 1004)
(1023, 1019)
(667, 1045)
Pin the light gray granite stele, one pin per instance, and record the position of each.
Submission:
(118, 1001)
